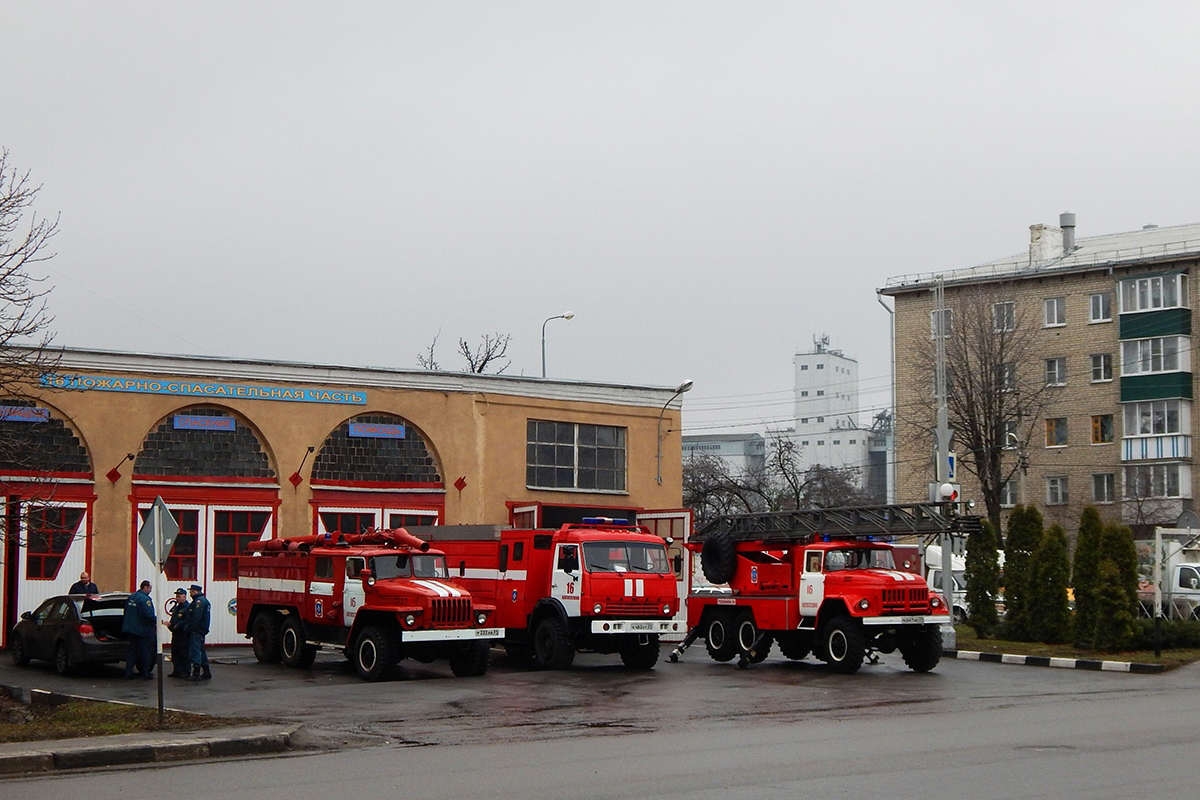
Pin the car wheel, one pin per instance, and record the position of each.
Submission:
(552, 647)
(16, 649)
(294, 650)
(62, 659)
(719, 639)
(375, 653)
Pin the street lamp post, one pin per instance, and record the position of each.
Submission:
(680, 389)
(568, 315)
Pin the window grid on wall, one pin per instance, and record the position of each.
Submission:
(1104, 487)
(1056, 371)
(1100, 309)
(568, 455)
(1056, 490)
(1101, 367)
(233, 531)
(1056, 432)
(1004, 317)
(1102, 428)
(1055, 312)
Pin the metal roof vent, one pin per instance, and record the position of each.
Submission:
(1066, 221)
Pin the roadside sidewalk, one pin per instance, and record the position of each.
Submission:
(20, 758)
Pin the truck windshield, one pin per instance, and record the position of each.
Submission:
(408, 566)
(848, 558)
(625, 557)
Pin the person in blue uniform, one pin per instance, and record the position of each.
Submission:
(198, 617)
(138, 624)
(181, 662)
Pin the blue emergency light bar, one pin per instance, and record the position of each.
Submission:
(603, 521)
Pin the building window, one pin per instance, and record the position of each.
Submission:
(1008, 434)
(1152, 293)
(1006, 376)
(804, 393)
(854, 441)
(820, 441)
(803, 367)
(1101, 307)
(48, 535)
(1152, 480)
(1153, 418)
(233, 531)
(567, 455)
(1008, 494)
(1056, 312)
(805, 443)
(1056, 371)
(1101, 367)
(820, 419)
(820, 392)
(1004, 316)
(804, 420)
(1056, 432)
(1102, 428)
(1056, 490)
(946, 326)
(1104, 487)
(837, 441)
(820, 366)
(1142, 356)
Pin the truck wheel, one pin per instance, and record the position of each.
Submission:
(551, 645)
(294, 651)
(844, 646)
(641, 655)
(375, 653)
(719, 640)
(264, 635)
(922, 650)
(16, 649)
(471, 660)
(794, 646)
(718, 558)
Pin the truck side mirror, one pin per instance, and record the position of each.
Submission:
(367, 578)
(678, 563)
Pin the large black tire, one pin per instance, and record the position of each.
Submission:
(718, 558)
(719, 638)
(16, 650)
(844, 646)
(294, 651)
(551, 645)
(641, 655)
(265, 636)
(922, 650)
(375, 653)
(471, 659)
(62, 659)
(794, 646)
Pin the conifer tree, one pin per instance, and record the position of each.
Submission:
(1085, 575)
(983, 580)
(1116, 593)
(1024, 534)
(1049, 574)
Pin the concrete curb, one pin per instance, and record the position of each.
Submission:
(1063, 663)
(20, 758)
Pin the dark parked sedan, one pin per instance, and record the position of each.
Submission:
(70, 630)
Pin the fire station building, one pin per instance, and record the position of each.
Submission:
(246, 450)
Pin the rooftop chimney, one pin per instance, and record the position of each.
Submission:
(1066, 221)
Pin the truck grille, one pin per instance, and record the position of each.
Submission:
(452, 612)
(627, 609)
(898, 601)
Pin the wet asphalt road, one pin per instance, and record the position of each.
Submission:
(426, 705)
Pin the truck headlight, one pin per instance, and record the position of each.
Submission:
(864, 604)
(410, 620)
(480, 617)
(666, 608)
(935, 601)
(596, 609)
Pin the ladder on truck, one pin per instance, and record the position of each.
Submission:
(856, 521)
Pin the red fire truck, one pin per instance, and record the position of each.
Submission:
(599, 585)
(820, 581)
(381, 596)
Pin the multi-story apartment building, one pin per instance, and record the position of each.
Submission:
(1108, 333)
(744, 453)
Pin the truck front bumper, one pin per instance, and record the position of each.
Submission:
(603, 626)
(906, 619)
(455, 635)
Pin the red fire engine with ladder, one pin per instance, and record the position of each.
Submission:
(599, 585)
(381, 596)
(819, 581)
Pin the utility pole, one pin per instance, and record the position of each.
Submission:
(942, 471)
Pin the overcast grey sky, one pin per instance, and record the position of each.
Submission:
(707, 185)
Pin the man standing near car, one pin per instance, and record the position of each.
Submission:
(139, 625)
(84, 585)
(180, 641)
(196, 621)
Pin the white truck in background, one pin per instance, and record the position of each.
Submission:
(1179, 571)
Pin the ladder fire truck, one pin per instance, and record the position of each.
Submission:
(599, 585)
(820, 581)
(381, 596)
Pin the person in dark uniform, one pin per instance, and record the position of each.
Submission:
(139, 625)
(84, 585)
(180, 660)
(199, 615)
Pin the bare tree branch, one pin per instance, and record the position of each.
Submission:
(426, 359)
(489, 351)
